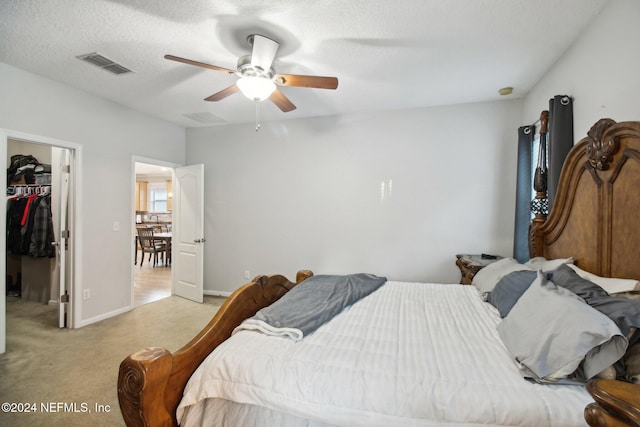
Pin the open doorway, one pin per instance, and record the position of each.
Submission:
(152, 233)
(185, 203)
(38, 263)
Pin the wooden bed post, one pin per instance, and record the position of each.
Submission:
(540, 204)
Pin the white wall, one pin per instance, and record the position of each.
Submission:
(600, 71)
(109, 135)
(306, 194)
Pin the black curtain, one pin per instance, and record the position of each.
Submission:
(523, 193)
(560, 139)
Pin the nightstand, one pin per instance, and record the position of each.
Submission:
(469, 265)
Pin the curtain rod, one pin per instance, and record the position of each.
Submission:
(527, 130)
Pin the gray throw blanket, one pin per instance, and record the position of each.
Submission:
(311, 304)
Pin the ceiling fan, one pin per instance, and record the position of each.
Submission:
(257, 79)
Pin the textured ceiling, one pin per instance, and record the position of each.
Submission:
(386, 54)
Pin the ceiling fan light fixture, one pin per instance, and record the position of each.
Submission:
(256, 88)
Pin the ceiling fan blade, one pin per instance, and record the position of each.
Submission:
(281, 101)
(222, 94)
(307, 81)
(199, 64)
(263, 52)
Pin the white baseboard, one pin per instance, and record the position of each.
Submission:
(127, 309)
(103, 316)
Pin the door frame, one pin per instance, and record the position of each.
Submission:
(156, 162)
(75, 222)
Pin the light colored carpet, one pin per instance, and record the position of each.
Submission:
(51, 367)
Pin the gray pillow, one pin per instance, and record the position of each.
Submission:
(509, 289)
(487, 278)
(566, 277)
(551, 332)
(623, 311)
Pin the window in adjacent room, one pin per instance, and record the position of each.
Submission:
(158, 197)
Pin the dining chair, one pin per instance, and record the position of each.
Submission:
(151, 245)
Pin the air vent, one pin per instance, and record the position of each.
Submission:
(206, 118)
(104, 63)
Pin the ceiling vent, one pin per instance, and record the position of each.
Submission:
(104, 63)
(206, 118)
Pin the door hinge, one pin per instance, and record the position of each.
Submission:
(64, 298)
(66, 169)
(65, 234)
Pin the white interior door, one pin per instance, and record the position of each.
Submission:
(62, 241)
(188, 233)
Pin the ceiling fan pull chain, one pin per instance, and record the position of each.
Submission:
(257, 115)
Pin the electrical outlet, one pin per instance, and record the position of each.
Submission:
(116, 225)
(247, 274)
(86, 294)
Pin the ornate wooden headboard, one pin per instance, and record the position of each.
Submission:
(596, 214)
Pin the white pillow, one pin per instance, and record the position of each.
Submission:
(609, 284)
(487, 278)
(541, 263)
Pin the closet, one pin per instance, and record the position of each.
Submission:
(30, 234)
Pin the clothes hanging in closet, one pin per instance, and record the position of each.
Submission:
(30, 226)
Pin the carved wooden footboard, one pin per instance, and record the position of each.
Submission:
(151, 381)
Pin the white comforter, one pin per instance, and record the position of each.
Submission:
(410, 354)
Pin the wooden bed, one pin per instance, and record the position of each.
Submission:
(594, 220)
